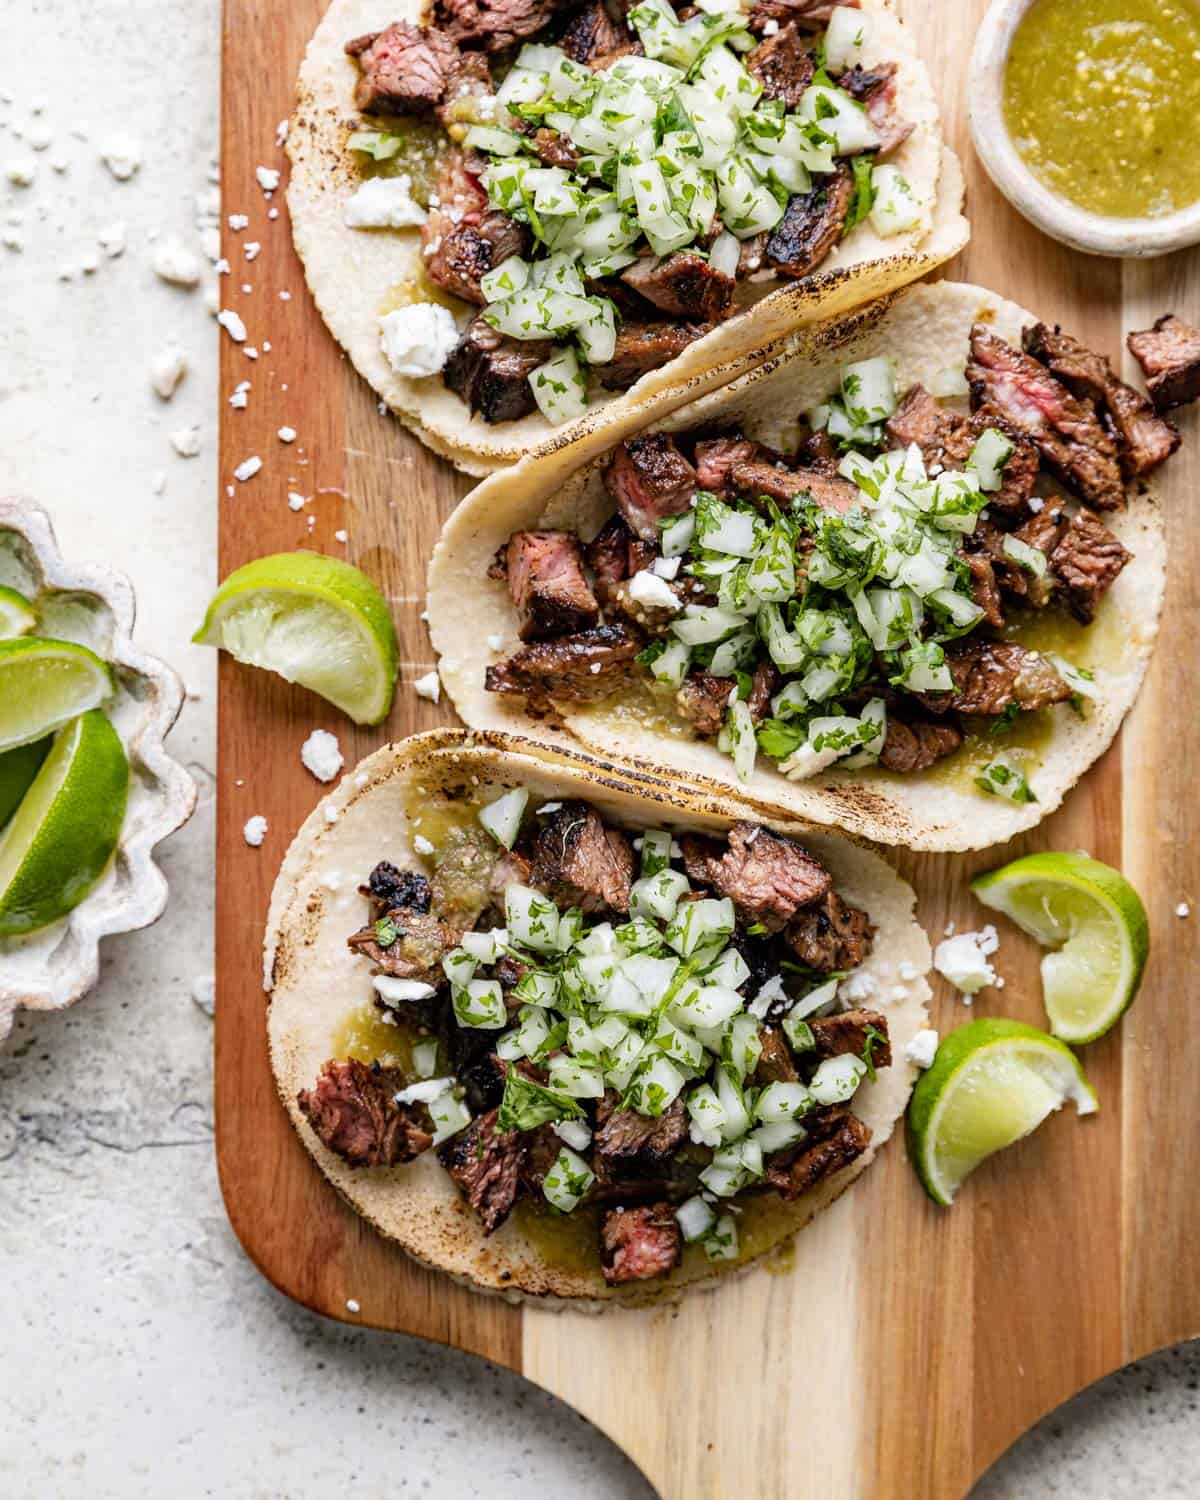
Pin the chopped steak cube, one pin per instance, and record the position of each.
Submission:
(416, 951)
(1169, 354)
(491, 372)
(684, 284)
(916, 744)
(1073, 444)
(775, 1062)
(984, 589)
(767, 877)
(486, 1163)
(649, 479)
(831, 936)
(639, 1243)
(702, 700)
(594, 38)
(547, 584)
(829, 491)
(849, 1033)
(495, 23)
(1087, 559)
(583, 668)
(577, 861)
(813, 1163)
(991, 675)
(783, 65)
(945, 439)
(642, 347)
(808, 15)
(811, 225)
(406, 69)
(629, 1144)
(352, 1111)
(715, 458)
(1145, 439)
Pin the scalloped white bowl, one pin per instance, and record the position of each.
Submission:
(1096, 234)
(94, 606)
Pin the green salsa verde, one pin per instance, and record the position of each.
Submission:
(1102, 100)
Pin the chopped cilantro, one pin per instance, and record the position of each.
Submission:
(386, 932)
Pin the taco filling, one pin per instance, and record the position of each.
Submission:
(645, 1030)
(854, 604)
(606, 183)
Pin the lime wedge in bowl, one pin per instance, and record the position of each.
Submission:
(44, 685)
(17, 615)
(1095, 922)
(314, 620)
(17, 769)
(992, 1083)
(66, 828)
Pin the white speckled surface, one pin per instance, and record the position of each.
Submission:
(154, 1359)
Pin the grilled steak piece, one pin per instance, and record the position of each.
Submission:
(1169, 354)
(582, 668)
(808, 15)
(775, 1062)
(811, 225)
(876, 90)
(463, 239)
(631, 1145)
(1073, 444)
(555, 150)
(649, 479)
(577, 861)
(766, 876)
(828, 490)
(642, 347)
(715, 458)
(813, 1163)
(990, 675)
(491, 372)
(593, 37)
(1087, 558)
(1040, 530)
(1144, 438)
(639, 1243)
(352, 1111)
(416, 952)
(702, 700)
(783, 65)
(985, 591)
(615, 554)
(946, 439)
(510, 869)
(763, 686)
(847, 1033)
(684, 284)
(916, 744)
(547, 584)
(406, 69)
(486, 1164)
(831, 935)
(392, 887)
(497, 24)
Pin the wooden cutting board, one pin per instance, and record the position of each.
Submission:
(901, 1348)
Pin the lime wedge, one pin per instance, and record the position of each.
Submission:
(316, 621)
(992, 1082)
(1095, 922)
(17, 616)
(17, 769)
(44, 685)
(66, 828)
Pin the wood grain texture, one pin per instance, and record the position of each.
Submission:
(901, 1348)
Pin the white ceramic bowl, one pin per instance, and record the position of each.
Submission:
(53, 968)
(1097, 234)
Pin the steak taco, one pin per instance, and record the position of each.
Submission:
(510, 212)
(902, 579)
(561, 1036)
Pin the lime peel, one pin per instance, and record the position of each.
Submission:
(313, 620)
(17, 615)
(1096, 925)
(992, 1083)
